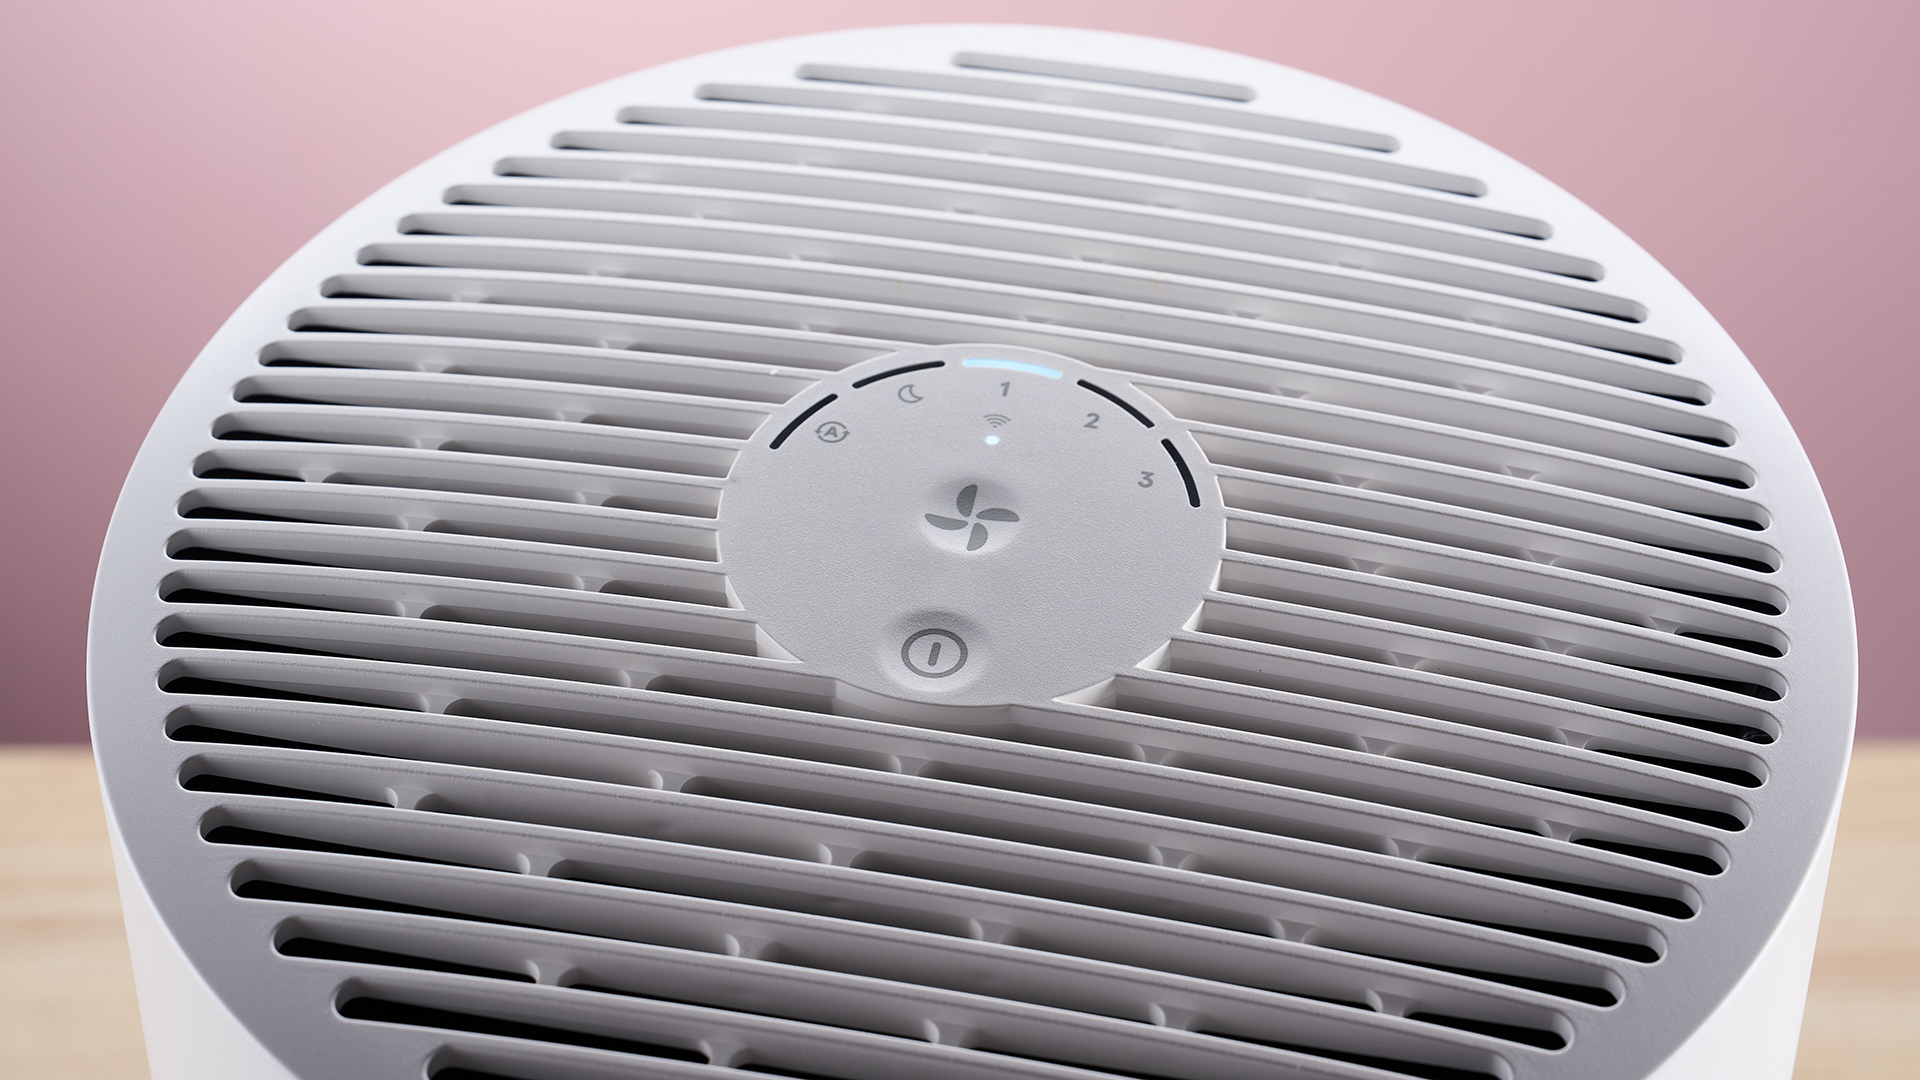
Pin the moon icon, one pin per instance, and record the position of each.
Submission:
(907, 395)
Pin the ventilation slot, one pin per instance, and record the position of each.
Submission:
(1489, 517)
(737, 184)
(1211, 710)
(172, 682)
(1046, 180)
(1476, 471)
(1074, 168)
(382, 1011)
(227, 785)
(699, 983)
(562, 366)
(1696, 863)
(1462, 697)
(1184, 796)
(860, 820)
(539, 440)
(263, 888)
(1200, 315)
(1285, 559)
(307, 948)
(1658, 905)
(1228, 346)
(412, 642)
(1462, 616)
(470, 558)
(1103, 101)
(1548, 673)
(1144, 80)
(1392, 1065)
(544, 610)
(240, 835)
(941, 113)
(446, 392)
(633, 333)
(559, 524)
(484, 463)
(603, 219)
(887, 905)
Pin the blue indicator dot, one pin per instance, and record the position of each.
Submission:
(1013, 365)
(993, 440)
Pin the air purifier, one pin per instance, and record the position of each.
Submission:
(971, 551)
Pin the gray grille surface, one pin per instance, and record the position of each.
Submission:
(1493, 752)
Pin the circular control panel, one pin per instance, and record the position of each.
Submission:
(971, 525)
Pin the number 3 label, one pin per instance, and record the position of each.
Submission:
(1146, 479)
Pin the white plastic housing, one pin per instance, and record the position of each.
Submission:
(1391, 632)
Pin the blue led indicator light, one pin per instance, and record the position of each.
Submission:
(1013, 365)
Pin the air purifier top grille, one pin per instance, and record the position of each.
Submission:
(451, 719)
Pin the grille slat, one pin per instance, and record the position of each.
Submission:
(1300, 330)
(1409, 605)
(799, 347)
(1061, 93)
(1320, 580)
(461, 432)
(1589, 674)
(527, 607)
(458, 471)
(1001, 1048)
(445, 392)
(1018, 252)
(1536, 756)
(1056, 121)
(1028, 962)
(570, 366)
(458, 513)
(1671, 552)
(1437, 443)
(768, 181)
(1256, 539)
(1473, 703)
(1023, 755)
(887, 1007)
(1239, 826)
(1170, 719)
(782, 295)
(1565, 467)
(1083, 168)
(989, 893)
(976, 969)
(1003, 185)
(536, 653)
(476, 558)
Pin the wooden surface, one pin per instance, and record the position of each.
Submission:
(66, 988)
(66, 991)
(1863, 1010)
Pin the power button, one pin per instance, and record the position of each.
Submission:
(933, 653)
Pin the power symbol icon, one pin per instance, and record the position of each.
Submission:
(934, 653)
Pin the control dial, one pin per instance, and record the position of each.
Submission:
(971, 525)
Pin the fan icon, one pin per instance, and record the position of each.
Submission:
(963, 502)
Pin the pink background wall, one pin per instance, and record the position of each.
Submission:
(160, 159)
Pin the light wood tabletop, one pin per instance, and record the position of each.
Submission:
(66, 990)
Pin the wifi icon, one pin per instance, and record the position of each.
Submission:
(996, 420)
